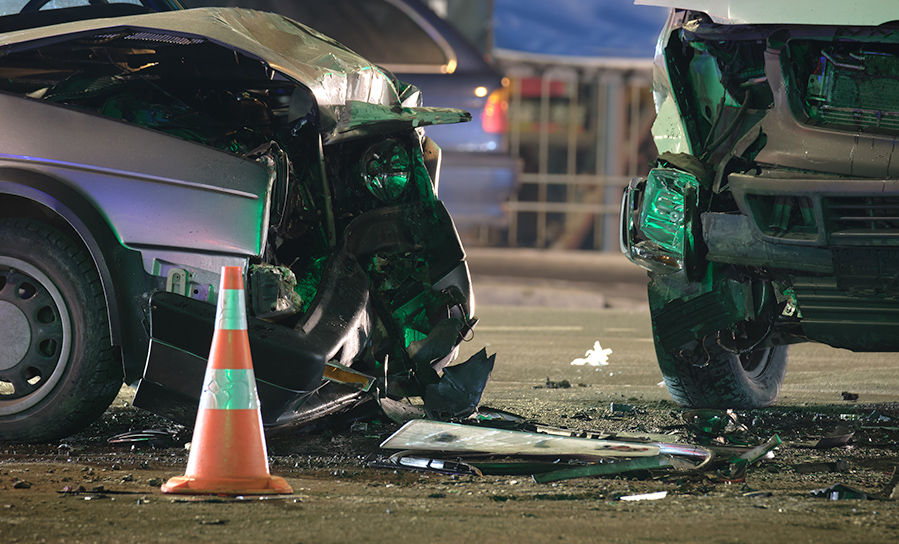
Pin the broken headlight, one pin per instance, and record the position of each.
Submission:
(658, 218)
(387, 169)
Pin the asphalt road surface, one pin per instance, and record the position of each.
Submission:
(538, 313)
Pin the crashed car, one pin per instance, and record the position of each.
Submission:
(772, 214)
(145, 150)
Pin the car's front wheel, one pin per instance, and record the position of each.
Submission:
(717, 340)
(57, 370)
(710, 375)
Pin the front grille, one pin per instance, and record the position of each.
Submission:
(855, 88)
(861, 216)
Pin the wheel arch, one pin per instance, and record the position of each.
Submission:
(35, 195)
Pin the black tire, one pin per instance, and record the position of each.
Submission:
(57, 369)
(710, 355)
(708, 375)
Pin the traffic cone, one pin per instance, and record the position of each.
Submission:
(227, 454)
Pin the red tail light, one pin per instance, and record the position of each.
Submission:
(495, 116)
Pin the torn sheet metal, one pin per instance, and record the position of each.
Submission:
(421, 435)
(616, 467)
(623, 436)
(353, 96)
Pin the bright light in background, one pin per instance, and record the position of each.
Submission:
(495, 116)
(480, 92)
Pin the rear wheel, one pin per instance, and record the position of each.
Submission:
(57, 370)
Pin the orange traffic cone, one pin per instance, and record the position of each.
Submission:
(227, 454)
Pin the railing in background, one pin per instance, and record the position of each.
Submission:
(581, 127)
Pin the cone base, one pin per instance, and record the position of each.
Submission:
(191, 485)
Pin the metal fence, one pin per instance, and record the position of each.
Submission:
(581, 128)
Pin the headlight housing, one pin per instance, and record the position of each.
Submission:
(659, 218)
(387, 169)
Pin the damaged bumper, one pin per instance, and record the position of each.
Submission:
(333, 359)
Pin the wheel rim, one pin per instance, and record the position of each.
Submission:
(755, 362)
(39, 339)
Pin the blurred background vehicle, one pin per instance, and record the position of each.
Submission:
(419, 47)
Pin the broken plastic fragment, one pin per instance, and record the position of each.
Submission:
(341, 374)
(736, 471)
(399, 411)
(458, 392)
(441, 466)
(713, 424)
(594, 357)
(838, 492)
(762, 450)
(839, 437)
(485, 414)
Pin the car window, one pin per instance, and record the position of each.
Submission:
(377, 30)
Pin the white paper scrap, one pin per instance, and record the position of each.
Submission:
(594, 357)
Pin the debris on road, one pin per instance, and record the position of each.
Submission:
(838, 437)
(587, 454)
(562, 384)
(594, 357)
(645, 496)
(714, 426)
(621, 407)
(150, 437)
(839, 492)
(615, 467)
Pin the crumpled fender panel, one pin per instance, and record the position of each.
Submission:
(354, 97)
(289, 362)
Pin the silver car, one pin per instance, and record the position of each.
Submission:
(144, 150)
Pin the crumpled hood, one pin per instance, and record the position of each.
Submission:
(796, 12)
(353, 95)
